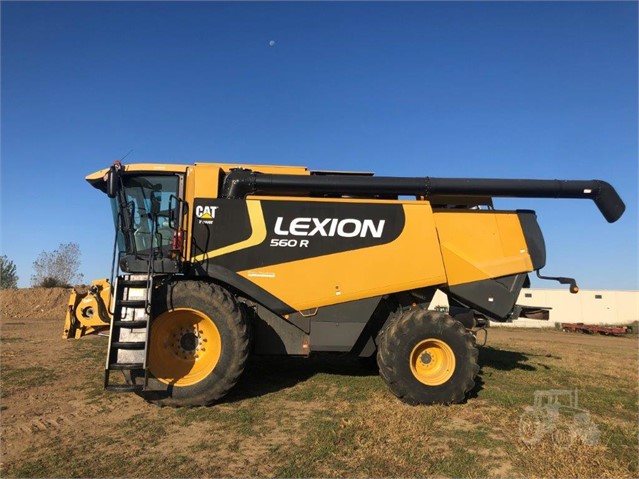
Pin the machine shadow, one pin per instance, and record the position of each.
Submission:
(500, 359)
(503, 359)
(268, 374)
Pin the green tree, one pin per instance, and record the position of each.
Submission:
(8, 276)
(58, 268)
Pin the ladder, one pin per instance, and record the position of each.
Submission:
(129, 333)
(131, 321)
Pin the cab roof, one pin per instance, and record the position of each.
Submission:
(97, 179)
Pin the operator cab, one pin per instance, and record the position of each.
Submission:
(147, 209)
(150, 201)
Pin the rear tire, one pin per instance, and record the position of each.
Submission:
(198, 347)
(427, 357)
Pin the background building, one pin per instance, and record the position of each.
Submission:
(587, 306)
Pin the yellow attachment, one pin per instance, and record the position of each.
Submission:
(432, 362)
(185, 347)
(88, 312)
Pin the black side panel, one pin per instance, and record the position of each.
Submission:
(358, 311)
(131, 264)
(219, 223)
(534, 237)
(338, 327)
(310, 229)
(275, 335)
(366, 345)
(339, 337)
(335, 328)
(246, 287)
(494, 297)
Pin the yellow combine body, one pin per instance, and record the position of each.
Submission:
(216, 262)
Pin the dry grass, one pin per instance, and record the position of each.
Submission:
(323, 417)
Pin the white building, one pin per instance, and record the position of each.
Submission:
(587, 306)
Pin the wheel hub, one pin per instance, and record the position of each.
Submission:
(185, 347)
(425, 358)
(189, 342)
(432, 362)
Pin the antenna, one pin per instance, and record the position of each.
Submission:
(125, 155)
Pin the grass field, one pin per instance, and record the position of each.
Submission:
(325, 416)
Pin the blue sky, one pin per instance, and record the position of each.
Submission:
(520, 90)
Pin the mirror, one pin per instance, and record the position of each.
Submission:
(112, 183)
(174, 213)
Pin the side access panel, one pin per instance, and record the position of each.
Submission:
(487, 255)
(346, 327)
(478, 245)
(311, 253)
(275, 335)
(338, 327)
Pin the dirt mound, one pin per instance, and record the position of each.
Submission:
(34, 303)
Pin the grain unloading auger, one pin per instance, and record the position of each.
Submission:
(214, 262)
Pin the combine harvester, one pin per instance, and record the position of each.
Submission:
(214, 262)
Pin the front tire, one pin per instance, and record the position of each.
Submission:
(427, 357)
(198, 345)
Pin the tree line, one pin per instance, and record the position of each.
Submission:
(51, 269)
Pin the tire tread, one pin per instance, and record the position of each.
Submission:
(211, 294)
(403, 325)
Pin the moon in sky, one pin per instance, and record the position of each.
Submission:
(271, 43)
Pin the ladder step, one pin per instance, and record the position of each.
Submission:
(123, 388)
(132, 303)
(134, 283)
(131, 324)
(128, 345)
(126, 366)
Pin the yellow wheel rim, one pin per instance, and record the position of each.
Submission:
(432, 362)
(185, 347)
